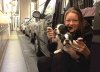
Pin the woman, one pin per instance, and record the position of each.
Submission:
(77, 57)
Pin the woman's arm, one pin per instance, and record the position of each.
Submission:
(84, 46)
(52, 46)
(52, 41)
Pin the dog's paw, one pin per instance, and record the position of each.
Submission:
(57, 51)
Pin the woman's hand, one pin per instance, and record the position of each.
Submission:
(51, 34)
(71, 51)
(81, 47)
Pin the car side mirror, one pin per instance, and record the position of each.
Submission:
(36, 14)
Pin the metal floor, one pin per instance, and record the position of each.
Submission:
(15, 60)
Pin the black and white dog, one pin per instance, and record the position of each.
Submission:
(67, 41)
(64, 35)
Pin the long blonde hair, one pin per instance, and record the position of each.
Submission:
(79, 13)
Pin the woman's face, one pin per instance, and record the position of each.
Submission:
(72, 21)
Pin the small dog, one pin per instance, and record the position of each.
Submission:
(65, 36)
(62, 32)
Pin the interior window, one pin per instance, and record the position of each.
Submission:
(66, 3)
(51, 7)
(41, 5)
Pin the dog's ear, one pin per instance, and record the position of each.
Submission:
(57, 30)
